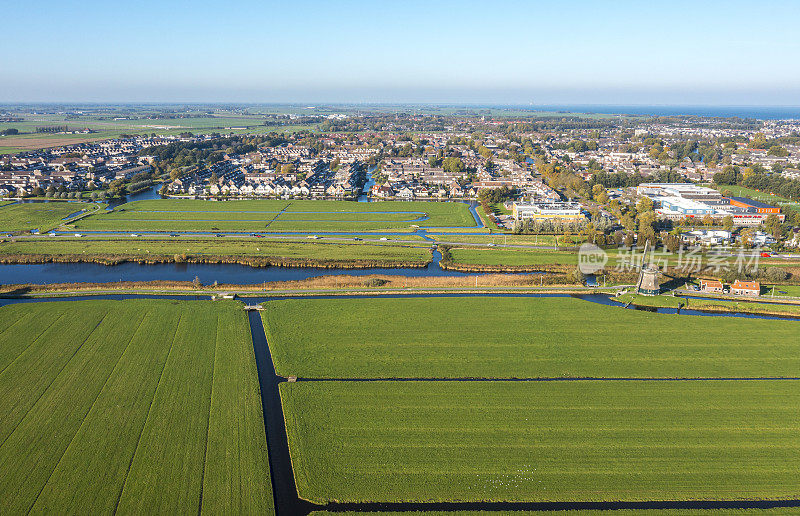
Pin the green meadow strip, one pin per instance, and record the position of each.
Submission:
(16, 326)
(166, 473)
(88, 478)
(37, 444)
(25, 380)
(236, 478)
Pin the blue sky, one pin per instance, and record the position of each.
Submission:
(613, 52)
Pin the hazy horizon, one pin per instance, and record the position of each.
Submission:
(514, 53)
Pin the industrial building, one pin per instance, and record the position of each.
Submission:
(750, 204)
(676, 201)
(552, 211)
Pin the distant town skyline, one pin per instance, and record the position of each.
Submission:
(575, 52)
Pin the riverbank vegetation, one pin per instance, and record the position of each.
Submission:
(369, 283)
(256, 252)
(543, 441)
(508, 337)
(135, 406)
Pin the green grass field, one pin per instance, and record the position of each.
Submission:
(499, 239)
(544, 441)
(130, 406)
(41, 216)
(512, 257)
(277, 216)
(741, 191)
(256, 248)
(517, 337)
(656, 301)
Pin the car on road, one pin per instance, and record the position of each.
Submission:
(134, 234)
(78, 235)
(384, 238)
(766, 255)
(313, 237)
(219, 235)
(173, 234)
(356, 239)
(491, 245)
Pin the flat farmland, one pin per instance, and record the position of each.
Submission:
(276, 216)
(512, 257)
(544, 441)
(131, 406)
(508, 337)
(41, 216)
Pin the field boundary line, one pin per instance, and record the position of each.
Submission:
(85, 416)
(53, 380)
(208, 420)
(149, 409)
(278, 215)
(33, 342)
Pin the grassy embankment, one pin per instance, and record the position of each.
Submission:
(134, 406)
(252, 251)
(766, 306)
(651, 301)
(41, 216)
(514, 259)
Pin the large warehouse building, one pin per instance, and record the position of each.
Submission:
(675, 201)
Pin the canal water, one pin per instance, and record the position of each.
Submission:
(207, 273)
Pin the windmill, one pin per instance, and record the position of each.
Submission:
(648, 283)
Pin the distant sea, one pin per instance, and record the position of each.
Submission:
(759, 112)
